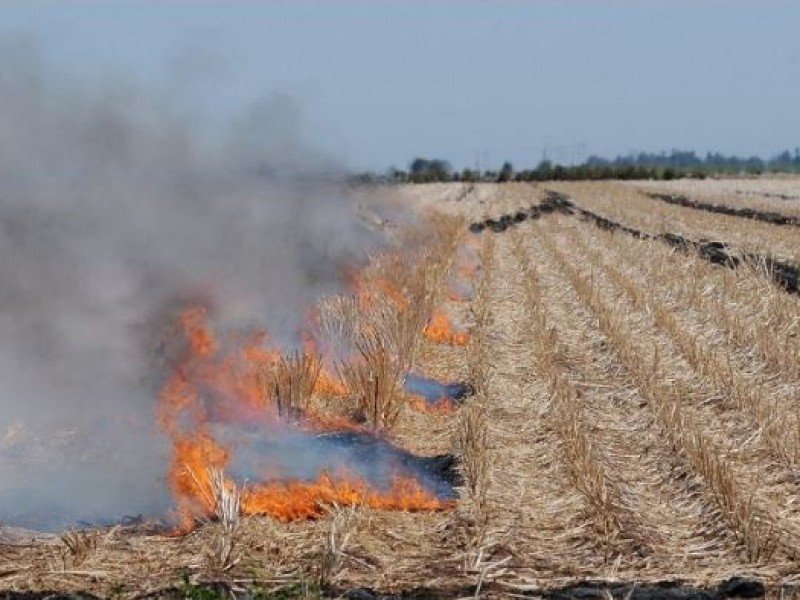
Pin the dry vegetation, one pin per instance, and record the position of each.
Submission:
(635, 419)
(624, 203)
(781, 194)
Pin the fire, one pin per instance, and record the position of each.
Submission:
(440, 329)
(290, 501)
(388, 289)
(190, 475)
(202, 385)
(443, 406)
(220, 386)
(368, 287)
(327, 383)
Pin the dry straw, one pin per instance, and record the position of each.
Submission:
(757, 532)
(780, 428)
(291, 381)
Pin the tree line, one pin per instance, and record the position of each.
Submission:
(676, 164)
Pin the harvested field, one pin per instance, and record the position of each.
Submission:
(625, 424)
(766, 216)
(778, 194)
(624, 203)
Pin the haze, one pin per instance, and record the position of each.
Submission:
(377, 83)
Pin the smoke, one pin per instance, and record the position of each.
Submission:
(114, 206)
(358, 455)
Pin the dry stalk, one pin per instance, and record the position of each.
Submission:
(751, 524)
(77, 546)
(340, 319)
(478, 347)
(378, 333)
(400, 330)
(755, 530)
(227, 500)
(779, 428)
(341, 527)
(222, 553)
(746, 299)
(472, 445)
(474, 520)
(606, 509)
(292, 380)
(588, 473)
(375, 378)
(531, 283)
(471, 432)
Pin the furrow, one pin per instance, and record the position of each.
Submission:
(729, 478)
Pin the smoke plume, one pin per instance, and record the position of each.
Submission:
(114, 208)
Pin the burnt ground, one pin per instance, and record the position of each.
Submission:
(772, 217)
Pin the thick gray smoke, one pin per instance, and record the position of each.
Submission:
(114, 207)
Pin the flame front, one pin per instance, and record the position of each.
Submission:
(292, 500)
(369, 286)
(217, 385)
(440, 329)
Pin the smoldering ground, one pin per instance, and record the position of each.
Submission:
(113, 207)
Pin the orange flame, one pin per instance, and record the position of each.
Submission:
(440, 329)
(294, 500)
(390, 291)
(368, 287)
(209, 386)
(327, 384)
(190, 476)
(330, 385)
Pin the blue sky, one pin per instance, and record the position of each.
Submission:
(378, 82)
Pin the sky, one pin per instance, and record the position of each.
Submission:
(376, 83)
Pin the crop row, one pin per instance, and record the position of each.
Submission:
(784, 274)
(747, 213)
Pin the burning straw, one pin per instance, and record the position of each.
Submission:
(248, 411)
(243, 406)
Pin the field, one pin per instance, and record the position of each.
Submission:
(634, 419)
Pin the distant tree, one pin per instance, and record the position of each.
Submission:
(440, 170)
(781, 162)
(506, 172)
(423, 170)
(396, 176)
(418, 170)
(469, 175)
(543, 171)
(674, 164)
